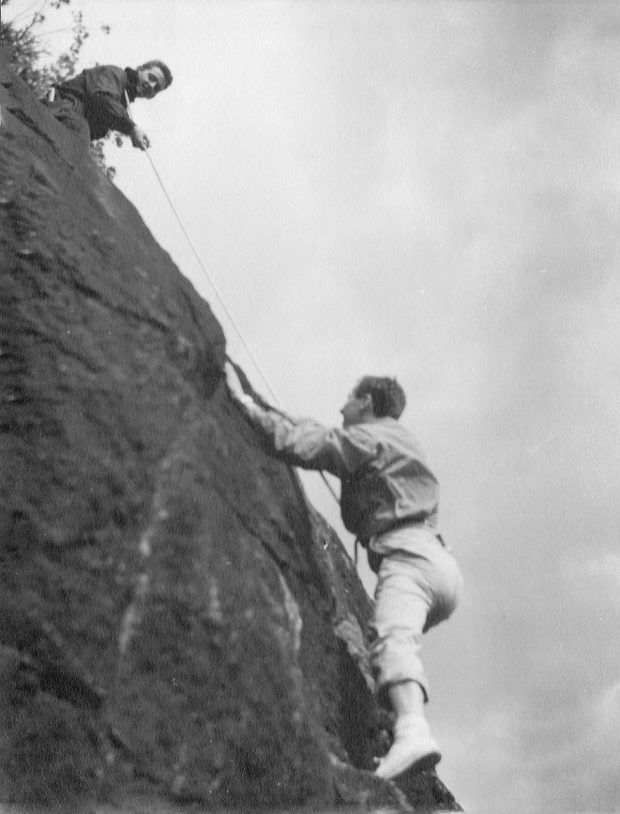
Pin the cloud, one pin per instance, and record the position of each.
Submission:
(607, 569)
(598, 576)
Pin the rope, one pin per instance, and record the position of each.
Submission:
(211, 280)
(225, 307)
(220, 298)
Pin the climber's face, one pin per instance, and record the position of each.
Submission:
(150, 82)
(357, 409)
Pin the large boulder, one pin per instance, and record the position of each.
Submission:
(175, 618)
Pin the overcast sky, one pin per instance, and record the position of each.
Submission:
(429, 190)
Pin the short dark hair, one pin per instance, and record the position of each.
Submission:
(157, 63)
(388, 397)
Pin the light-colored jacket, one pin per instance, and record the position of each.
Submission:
(385, 478)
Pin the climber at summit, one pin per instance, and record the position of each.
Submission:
(96, 100)
(389, 500)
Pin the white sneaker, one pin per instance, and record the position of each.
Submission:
(413, 748)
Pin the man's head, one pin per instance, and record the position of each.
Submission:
(373, 397)
(153, 77)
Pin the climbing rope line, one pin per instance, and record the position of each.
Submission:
(223, 304)
(211, 280)
(202, 265)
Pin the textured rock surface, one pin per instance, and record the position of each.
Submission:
(175, 619)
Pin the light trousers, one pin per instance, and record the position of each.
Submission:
(419, 585)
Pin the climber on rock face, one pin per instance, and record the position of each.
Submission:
(389, 500)
(96, 100)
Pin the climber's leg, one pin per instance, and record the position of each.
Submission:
(413, 593)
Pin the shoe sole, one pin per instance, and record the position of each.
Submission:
(422, 764)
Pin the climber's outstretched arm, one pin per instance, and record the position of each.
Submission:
(301, 441)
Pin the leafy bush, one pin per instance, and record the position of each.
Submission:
(25, 42)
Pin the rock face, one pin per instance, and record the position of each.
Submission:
(175, 619)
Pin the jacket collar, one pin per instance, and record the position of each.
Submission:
(132, 83)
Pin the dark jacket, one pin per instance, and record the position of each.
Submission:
(98, 94)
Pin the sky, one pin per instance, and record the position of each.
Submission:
(429, 190)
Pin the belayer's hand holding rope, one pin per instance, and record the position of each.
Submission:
(139, 138)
